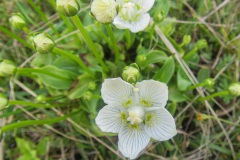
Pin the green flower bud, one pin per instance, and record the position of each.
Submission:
(3, 102)
(104, 10)
(131, 73)
(209, 82)
(92, 86)
(68, 8)
(202, 43)
(17, 21)
(234, 89)
(141, 58)
(43, 43)
(87, 96)
(7, 68)
(40, 98)
(186, 39)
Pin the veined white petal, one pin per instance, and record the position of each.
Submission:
(116, 90)
(120, 23)
(140, 24)
(152, 93)
(132, 141)
(160, 124)
(146, 5)
(109, 118)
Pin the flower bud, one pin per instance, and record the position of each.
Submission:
(3, 102)
(43, 43)
(104, 10)
(209, 82)
(234, 89)
(202, 43)
(131, 73)
(68, 8)
(141, 59)
(87, 96)
(17, 21)
(7, 68)
(92, 86)
(186, 39)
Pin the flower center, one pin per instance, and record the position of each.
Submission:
(136, 115)
(130, 11)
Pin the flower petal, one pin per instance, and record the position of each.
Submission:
(116, 90)
(146, 5)
(132, 141)
(140, 24)
(154, 93)
(161, 126)
(109, 119)
(120, 23)
(133, 26)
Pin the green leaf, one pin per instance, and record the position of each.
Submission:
(82, 86)
(176, 96)
(220, 149)
(42, 146)
(62, 80)
(166, 72)
(26, 149)
(183, 81)
(152, 57)
(203, 74)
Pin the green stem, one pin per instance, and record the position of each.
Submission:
(35, 122)
(24, 103)
(6, 31)
(24, 71)
(115, 47)
(195, 86)
(73, 58)
(217, 94)
(77, 22)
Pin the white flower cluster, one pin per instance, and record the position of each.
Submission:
(132, 14)
(136, 113)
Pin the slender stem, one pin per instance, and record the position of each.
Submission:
(24, 71)
(114, 43)
(73, 58)
(25, 103)
(217, 94)
(6, 31)
(77, 22)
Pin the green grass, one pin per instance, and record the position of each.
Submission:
(54, 118)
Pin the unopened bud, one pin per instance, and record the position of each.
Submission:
(17, 21)
(202, 43)
(234, 89)
(104, 10)
(209, 82)
(68, 8)
(43, 43)
(131, 73)
(88, 95)
(186, 39)
(7, 68)
(3, 102)
(92, 86)
(141, 58)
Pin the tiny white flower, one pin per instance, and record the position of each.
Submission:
(136, 113)
(133, 14)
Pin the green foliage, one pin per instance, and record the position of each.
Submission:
(51, 100)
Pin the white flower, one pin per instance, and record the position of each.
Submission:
(104, 10)
(133, 14)
(135, 113)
